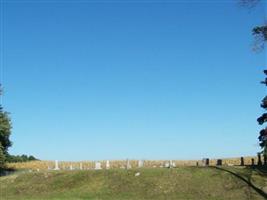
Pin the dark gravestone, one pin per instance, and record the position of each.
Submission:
(252, 161)
(197, 164)
(259, 160)
(264, 160)
(219, 162)
(206, 162)
(242, 161)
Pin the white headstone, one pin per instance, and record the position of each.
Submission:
(81, 166)
(167, 165)
(71, 168)
(128, 165)
(140, 163)
(98, 165)
(107, 164)
(170, 163)
(56, 165)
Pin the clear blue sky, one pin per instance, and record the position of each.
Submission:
(91, 80)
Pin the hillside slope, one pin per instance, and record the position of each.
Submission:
(179, 183)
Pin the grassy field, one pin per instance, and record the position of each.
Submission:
(180, 183)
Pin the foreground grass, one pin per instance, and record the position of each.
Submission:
(179, 183)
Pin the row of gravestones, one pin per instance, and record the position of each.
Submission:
(169, 164)
(98, 165)
(205, 161)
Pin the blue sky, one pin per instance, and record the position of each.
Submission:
(92, 80)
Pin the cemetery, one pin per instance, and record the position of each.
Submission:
(133, 100)
(137, 179)
(228, 178)
(128, 164)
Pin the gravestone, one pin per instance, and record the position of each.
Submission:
(98, 165)
(56, 165)
(140, 163)
(242, 161)
(252, 161)
(128, 164)
(81, 166)
(107, 164)
(173, 164)
(71, 167)
(219, 162)
(205, 162)
(167, 165)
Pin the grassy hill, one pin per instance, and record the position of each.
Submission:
(157, 183)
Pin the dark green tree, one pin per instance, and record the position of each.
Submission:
(2, 157)
(261, 120)
(260, 34)
(32, 158)
(5, 129)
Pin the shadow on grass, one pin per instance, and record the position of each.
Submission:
(262, 170)
(6, 171)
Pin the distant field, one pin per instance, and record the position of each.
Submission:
(182, 183)
(115, 164)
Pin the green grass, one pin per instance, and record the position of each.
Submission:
(158, 183)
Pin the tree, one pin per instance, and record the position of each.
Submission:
(260, 34)
(262, 119)
(32, 158)
(2, 157)
(5, 129)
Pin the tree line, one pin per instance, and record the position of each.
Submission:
(19, 158)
